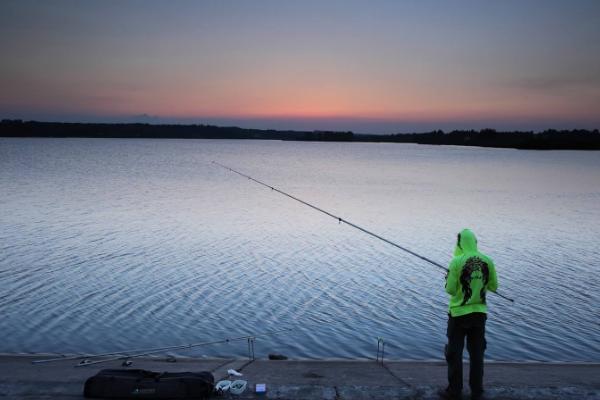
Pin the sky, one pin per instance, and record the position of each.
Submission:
(365, 66)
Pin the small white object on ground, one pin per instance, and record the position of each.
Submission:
(238, 387)
(234, 372)
(223, 386)
(261, 387)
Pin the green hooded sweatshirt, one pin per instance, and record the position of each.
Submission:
(470, 275)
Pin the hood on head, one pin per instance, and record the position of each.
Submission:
(465, 243)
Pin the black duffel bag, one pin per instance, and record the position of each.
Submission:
(142, 384)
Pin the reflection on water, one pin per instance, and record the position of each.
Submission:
(110, 244)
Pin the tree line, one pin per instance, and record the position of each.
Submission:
(551, 139)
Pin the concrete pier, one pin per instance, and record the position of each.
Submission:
(327, 379)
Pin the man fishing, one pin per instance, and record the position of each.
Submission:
(470, 275)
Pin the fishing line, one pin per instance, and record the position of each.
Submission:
(341, 220)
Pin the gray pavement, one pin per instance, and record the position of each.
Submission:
(325, 379)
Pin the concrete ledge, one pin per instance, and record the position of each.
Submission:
(304, 380)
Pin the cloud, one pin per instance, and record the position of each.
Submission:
(558, 83)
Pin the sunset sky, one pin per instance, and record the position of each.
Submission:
(366, 66)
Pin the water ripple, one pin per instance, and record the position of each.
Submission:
(127, 244)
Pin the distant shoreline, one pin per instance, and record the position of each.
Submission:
(576, 139)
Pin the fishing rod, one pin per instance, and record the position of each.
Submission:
(122, 355)
(77, 357)
(178, 347)
(341, 220)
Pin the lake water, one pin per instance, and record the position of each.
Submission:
(114, 244)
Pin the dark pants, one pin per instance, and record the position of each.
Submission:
(471, 326)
